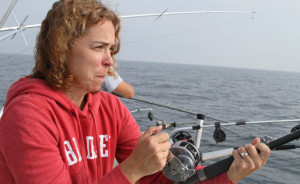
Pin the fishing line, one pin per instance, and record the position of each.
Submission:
(12, 64)
(14, 55)
(187, 31)
(134, 103)
(7, 57)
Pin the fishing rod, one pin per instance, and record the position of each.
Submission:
(138, 110)
(219, 134)
(185, 154)
(223, 165)
(184, 12)
(175, 108)
(226, 124)
(3, 20)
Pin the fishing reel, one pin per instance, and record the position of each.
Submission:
(181, 162)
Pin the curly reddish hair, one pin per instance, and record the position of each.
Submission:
(66, 21)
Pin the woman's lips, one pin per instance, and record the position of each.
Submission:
(101, 76)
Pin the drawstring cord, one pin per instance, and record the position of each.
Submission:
(82, 140)
(97, 144)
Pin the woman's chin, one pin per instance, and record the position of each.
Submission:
(95, 91)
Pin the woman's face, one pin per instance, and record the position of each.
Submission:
(90, 57)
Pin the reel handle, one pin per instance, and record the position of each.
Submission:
(223, 165)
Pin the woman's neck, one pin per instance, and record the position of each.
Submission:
(79, 99)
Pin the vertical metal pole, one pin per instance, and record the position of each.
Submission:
(13, 3)
(198, 134)
(1, 111)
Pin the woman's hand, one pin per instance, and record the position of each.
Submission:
(148, 156)
(247, 160)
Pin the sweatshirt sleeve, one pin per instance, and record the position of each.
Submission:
(128, 133)
(159, 177)
(29, 144)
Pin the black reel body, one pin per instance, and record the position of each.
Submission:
(183, 159)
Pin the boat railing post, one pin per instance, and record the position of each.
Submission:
(198, 134)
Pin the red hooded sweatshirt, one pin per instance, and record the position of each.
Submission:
(46, 138)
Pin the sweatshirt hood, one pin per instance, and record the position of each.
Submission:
(29, 85)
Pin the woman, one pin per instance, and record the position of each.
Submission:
(58, 128)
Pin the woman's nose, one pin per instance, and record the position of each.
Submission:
(108, 60)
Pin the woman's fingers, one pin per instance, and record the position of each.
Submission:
(264, 151)
(161, 137)
(150, 154)
(247, 160)
(151, 130)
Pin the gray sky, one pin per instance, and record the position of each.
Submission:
(268, 39)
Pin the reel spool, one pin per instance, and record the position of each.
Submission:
(182, 161)
(182, 136)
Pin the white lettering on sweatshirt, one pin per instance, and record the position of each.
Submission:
(72, 159)
(102, 145)
(78, 153)
(90, 148)
(91, 153)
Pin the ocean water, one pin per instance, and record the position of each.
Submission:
(229, 94)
